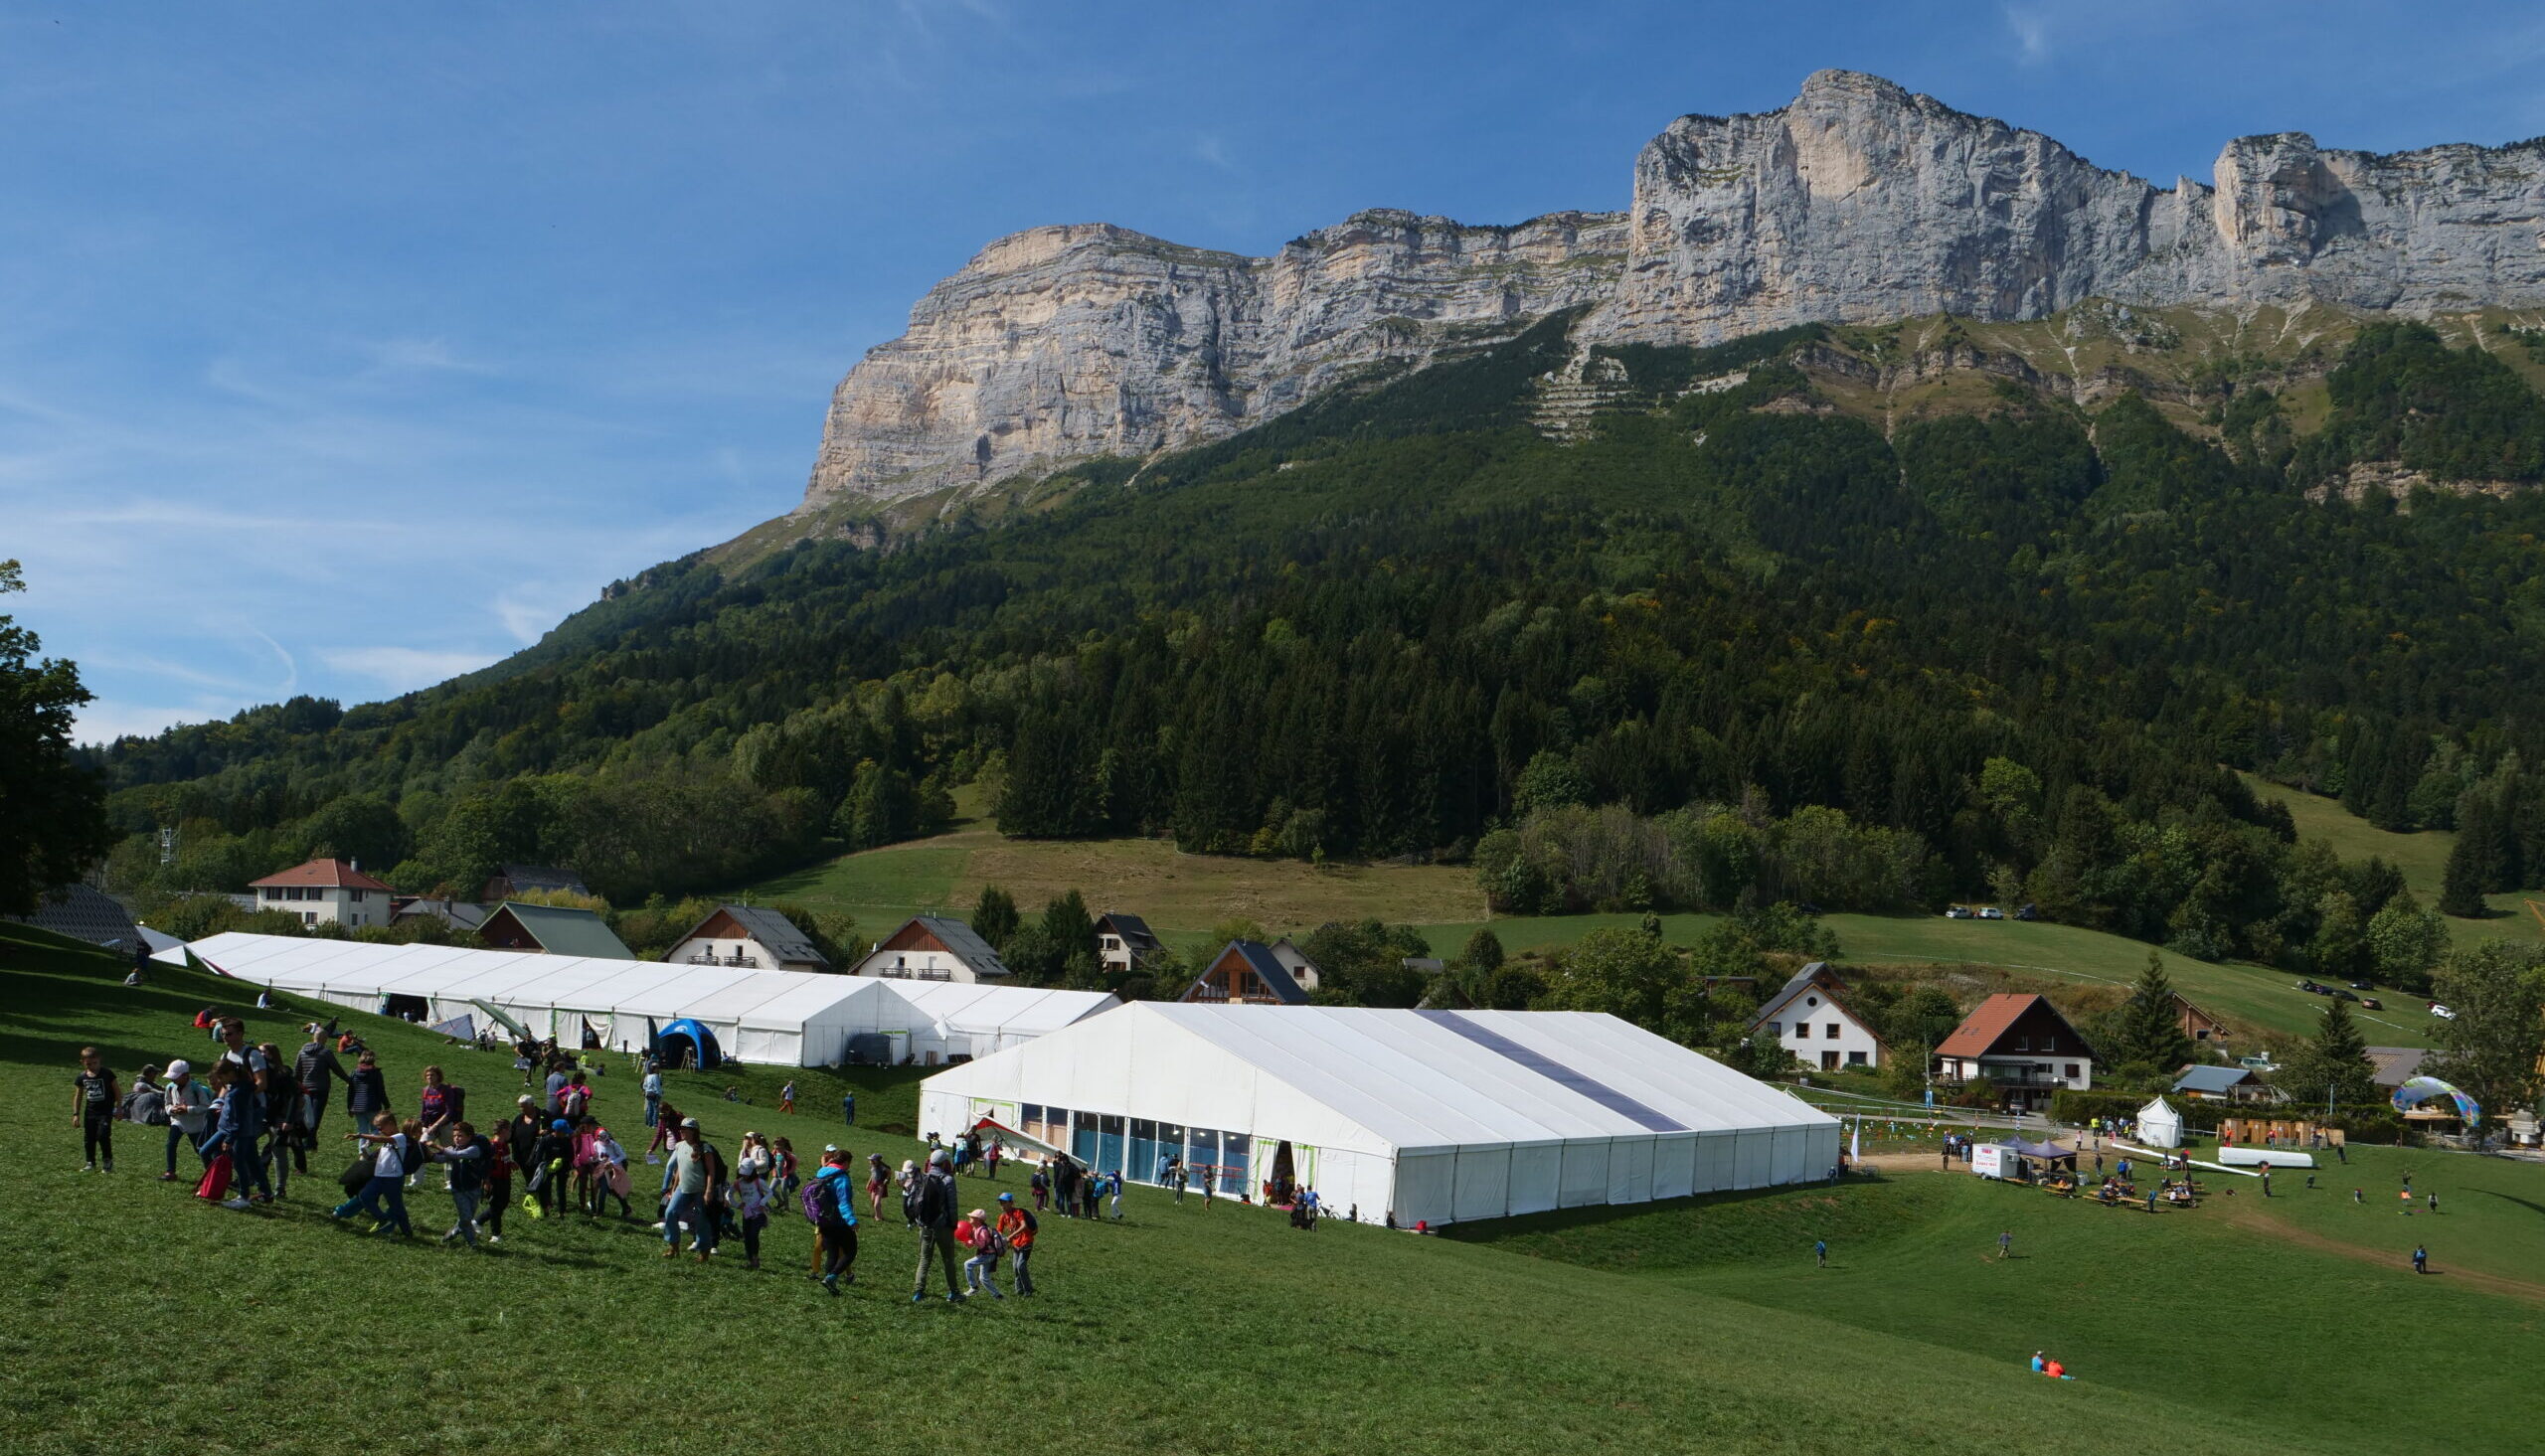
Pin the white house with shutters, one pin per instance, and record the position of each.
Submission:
(325, 891)
(1809, 1019)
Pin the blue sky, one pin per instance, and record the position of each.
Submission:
(343, 347)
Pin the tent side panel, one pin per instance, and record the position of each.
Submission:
(1484, 1184)
(1425, 1187)
(1537, 1178)
(1585, 1172)
(1821, 1149)
(1675, 1166)
(1753, 1157)
(1793, 1157)
(1631, 1171)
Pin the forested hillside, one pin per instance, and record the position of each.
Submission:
(1737, 645)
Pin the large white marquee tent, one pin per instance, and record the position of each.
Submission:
(1429, 1116)
(791, 1018)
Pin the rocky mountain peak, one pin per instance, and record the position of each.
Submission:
(1859, 202)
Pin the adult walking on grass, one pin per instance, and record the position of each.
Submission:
(834, 1211)
(685, 1176)
(2420, 1259)
(93, 1095)
(384, 1193)
(285, 1152)
(2006, 1245)
(932, 1210)
(366, 1093)
(312, 1068)
(1820, 1253)
(1016, 1227)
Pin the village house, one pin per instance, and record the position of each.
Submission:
(1245, 973)
(2022, 1046)
(934, 948)
(748, 937)
(325, 893)
(1809, 1019)
(1297, 962)
(2203, 1083)
(552, 930)
(1124, 942)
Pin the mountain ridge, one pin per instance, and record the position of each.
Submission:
(1860, 202)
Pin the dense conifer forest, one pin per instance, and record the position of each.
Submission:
(1735, 648)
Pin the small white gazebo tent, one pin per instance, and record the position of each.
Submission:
(2159, 1125)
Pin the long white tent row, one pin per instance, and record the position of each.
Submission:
(1423, 1116)
(791, 1018)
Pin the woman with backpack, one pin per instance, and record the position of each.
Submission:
(832, 1208)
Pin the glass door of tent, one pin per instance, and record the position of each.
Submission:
(1083, 1139)
(1108, 1150)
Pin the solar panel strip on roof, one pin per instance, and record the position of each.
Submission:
(1557, 1072)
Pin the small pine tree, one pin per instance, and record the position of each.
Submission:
(2461, 885)
(995, 915)
(2149, 1031)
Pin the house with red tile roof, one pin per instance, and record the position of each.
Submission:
(2022, 1045)
(325, 891)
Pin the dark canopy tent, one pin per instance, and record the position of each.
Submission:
(685, 1043)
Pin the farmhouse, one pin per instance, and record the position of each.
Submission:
(552, 930)
(1297, 962)
(791, 1018)
(2222, 1084)
(1124, 942)
(749, 935)
(934, 948)
(1808, 1018)
(1247, 973)
(2022, 1045)
(325, 893)
(1415, 1115)
(458, 914)
(2197, 1023)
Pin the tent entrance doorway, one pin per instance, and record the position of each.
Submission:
(404, 1007)
(1284, 1175)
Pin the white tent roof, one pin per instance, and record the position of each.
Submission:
(776, 1000)
(1415, 1080)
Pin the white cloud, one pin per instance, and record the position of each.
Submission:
(402, 668)
(2031, 27)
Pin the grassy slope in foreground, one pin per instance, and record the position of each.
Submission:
(1176, 1331)
(2237, 1309)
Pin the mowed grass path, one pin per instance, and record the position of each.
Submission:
(144, 1319)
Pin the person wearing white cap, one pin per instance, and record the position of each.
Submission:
(189, 1114)
(982, 1269)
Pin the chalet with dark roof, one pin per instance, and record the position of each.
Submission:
(1124, 942)
(934, 948)
(2022, 1046)
(1245, 973)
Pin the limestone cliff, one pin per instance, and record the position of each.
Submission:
(1860, 202)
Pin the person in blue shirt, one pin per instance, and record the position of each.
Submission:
(835, 1231)
(1821, 1251)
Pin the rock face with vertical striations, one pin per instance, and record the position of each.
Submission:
(1860, 202)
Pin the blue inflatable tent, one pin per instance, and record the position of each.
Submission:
(685, 1043)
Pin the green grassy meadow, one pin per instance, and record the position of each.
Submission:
(1683, 1326)
(1182, 896)
(2422, 856)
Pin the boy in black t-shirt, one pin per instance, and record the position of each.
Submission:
(93, 1095)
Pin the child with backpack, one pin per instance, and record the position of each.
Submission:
(498, 1188)
(1017, 1229)
(982, 1269)
(785, 1183)
(831, 1208)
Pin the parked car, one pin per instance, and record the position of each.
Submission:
(2441, 1012)
(2371, 1003)
(1992, 912)
(2363, 986)
(2257, 1064)
(2027, 913)
(2341, 993)
(1956, 913)
(2311, 988)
